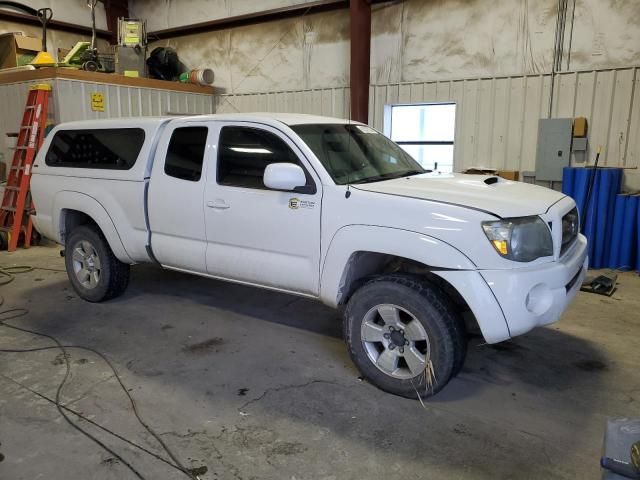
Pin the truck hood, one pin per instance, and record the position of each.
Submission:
(491, 194)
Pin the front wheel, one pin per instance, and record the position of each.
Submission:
(404, 336)
(94, 271)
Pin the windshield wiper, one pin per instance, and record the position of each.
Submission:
(415, 172)
(390, 176)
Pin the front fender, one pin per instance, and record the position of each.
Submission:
(391, 241)
(90, 206)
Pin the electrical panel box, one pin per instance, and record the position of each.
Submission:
(130, 61)
(554, 148)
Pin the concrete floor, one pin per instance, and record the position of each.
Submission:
(255, 384)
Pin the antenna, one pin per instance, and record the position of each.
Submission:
(347, 194)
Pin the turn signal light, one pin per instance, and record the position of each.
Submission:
(500, 246)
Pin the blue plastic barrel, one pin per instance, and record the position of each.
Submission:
(608, 180)
(568, 176)
(590, 223)
(638, 237)
(580, 187)
(613, 260)
(629, 231)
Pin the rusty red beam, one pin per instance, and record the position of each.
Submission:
(115, 9)
(360, 14)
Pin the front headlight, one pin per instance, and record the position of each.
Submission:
(520, 239)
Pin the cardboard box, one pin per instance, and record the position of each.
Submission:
(17, 50)
(506, 174)
(509, 174)
(480, 171)
(580, 127)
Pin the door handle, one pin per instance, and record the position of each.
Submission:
(218, 204)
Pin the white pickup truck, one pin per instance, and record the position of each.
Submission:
(318, 207)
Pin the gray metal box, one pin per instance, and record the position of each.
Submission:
(579, 144)
(554, 148)
(130, 59)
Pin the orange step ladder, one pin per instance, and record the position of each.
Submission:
(16, 208)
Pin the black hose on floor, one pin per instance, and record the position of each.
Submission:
(7, 275)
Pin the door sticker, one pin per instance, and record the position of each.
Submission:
(296, 203)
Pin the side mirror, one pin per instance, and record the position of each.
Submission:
(284, 176)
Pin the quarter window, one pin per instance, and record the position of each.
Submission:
(110, 149)
(244, 154)
(186, 153)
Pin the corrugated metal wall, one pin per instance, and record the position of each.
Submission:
(331, 102)
(71, 101)
(497, 118)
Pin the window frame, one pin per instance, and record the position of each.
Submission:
(89, 166)
(388, 121)
(308, 189)
(204, 152)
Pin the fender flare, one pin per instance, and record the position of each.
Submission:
(447, 262)
(71, 200)
(391, 241)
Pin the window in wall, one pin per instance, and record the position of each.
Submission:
(426, 132)
(110, 149)
(186, 153)
(244, 154)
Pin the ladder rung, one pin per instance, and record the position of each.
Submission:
(9, 209)
(30, 107)
(26, 127)
(13, 189)
(13, 167)
(21, 148)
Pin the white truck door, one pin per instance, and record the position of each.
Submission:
(257, 235)
(176, 196)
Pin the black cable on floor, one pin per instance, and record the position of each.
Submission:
(20, 312)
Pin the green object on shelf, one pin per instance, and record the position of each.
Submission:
(74, 57)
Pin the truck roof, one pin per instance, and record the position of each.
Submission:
(261, 117)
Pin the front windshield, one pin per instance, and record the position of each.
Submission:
(357, 153)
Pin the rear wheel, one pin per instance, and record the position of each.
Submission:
(404, 336)
(94, 271)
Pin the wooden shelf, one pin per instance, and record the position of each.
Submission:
(97, 77)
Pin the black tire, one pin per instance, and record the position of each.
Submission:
(417, 300)
(113, 275)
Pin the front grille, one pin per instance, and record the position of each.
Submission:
(570, 228)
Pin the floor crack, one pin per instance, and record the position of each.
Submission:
(284, 387)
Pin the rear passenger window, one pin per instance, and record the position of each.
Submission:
(245, 152)
(186, 153)
(111, 149)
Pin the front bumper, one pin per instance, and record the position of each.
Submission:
(538, 295)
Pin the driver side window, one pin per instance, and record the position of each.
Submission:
(245, 152)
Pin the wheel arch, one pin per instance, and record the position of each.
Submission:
(72, 209)
(358, 253)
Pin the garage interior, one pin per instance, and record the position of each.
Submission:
(191, 377)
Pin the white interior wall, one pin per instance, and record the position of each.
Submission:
(71, 11)
(311, 51)
(419, 40)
